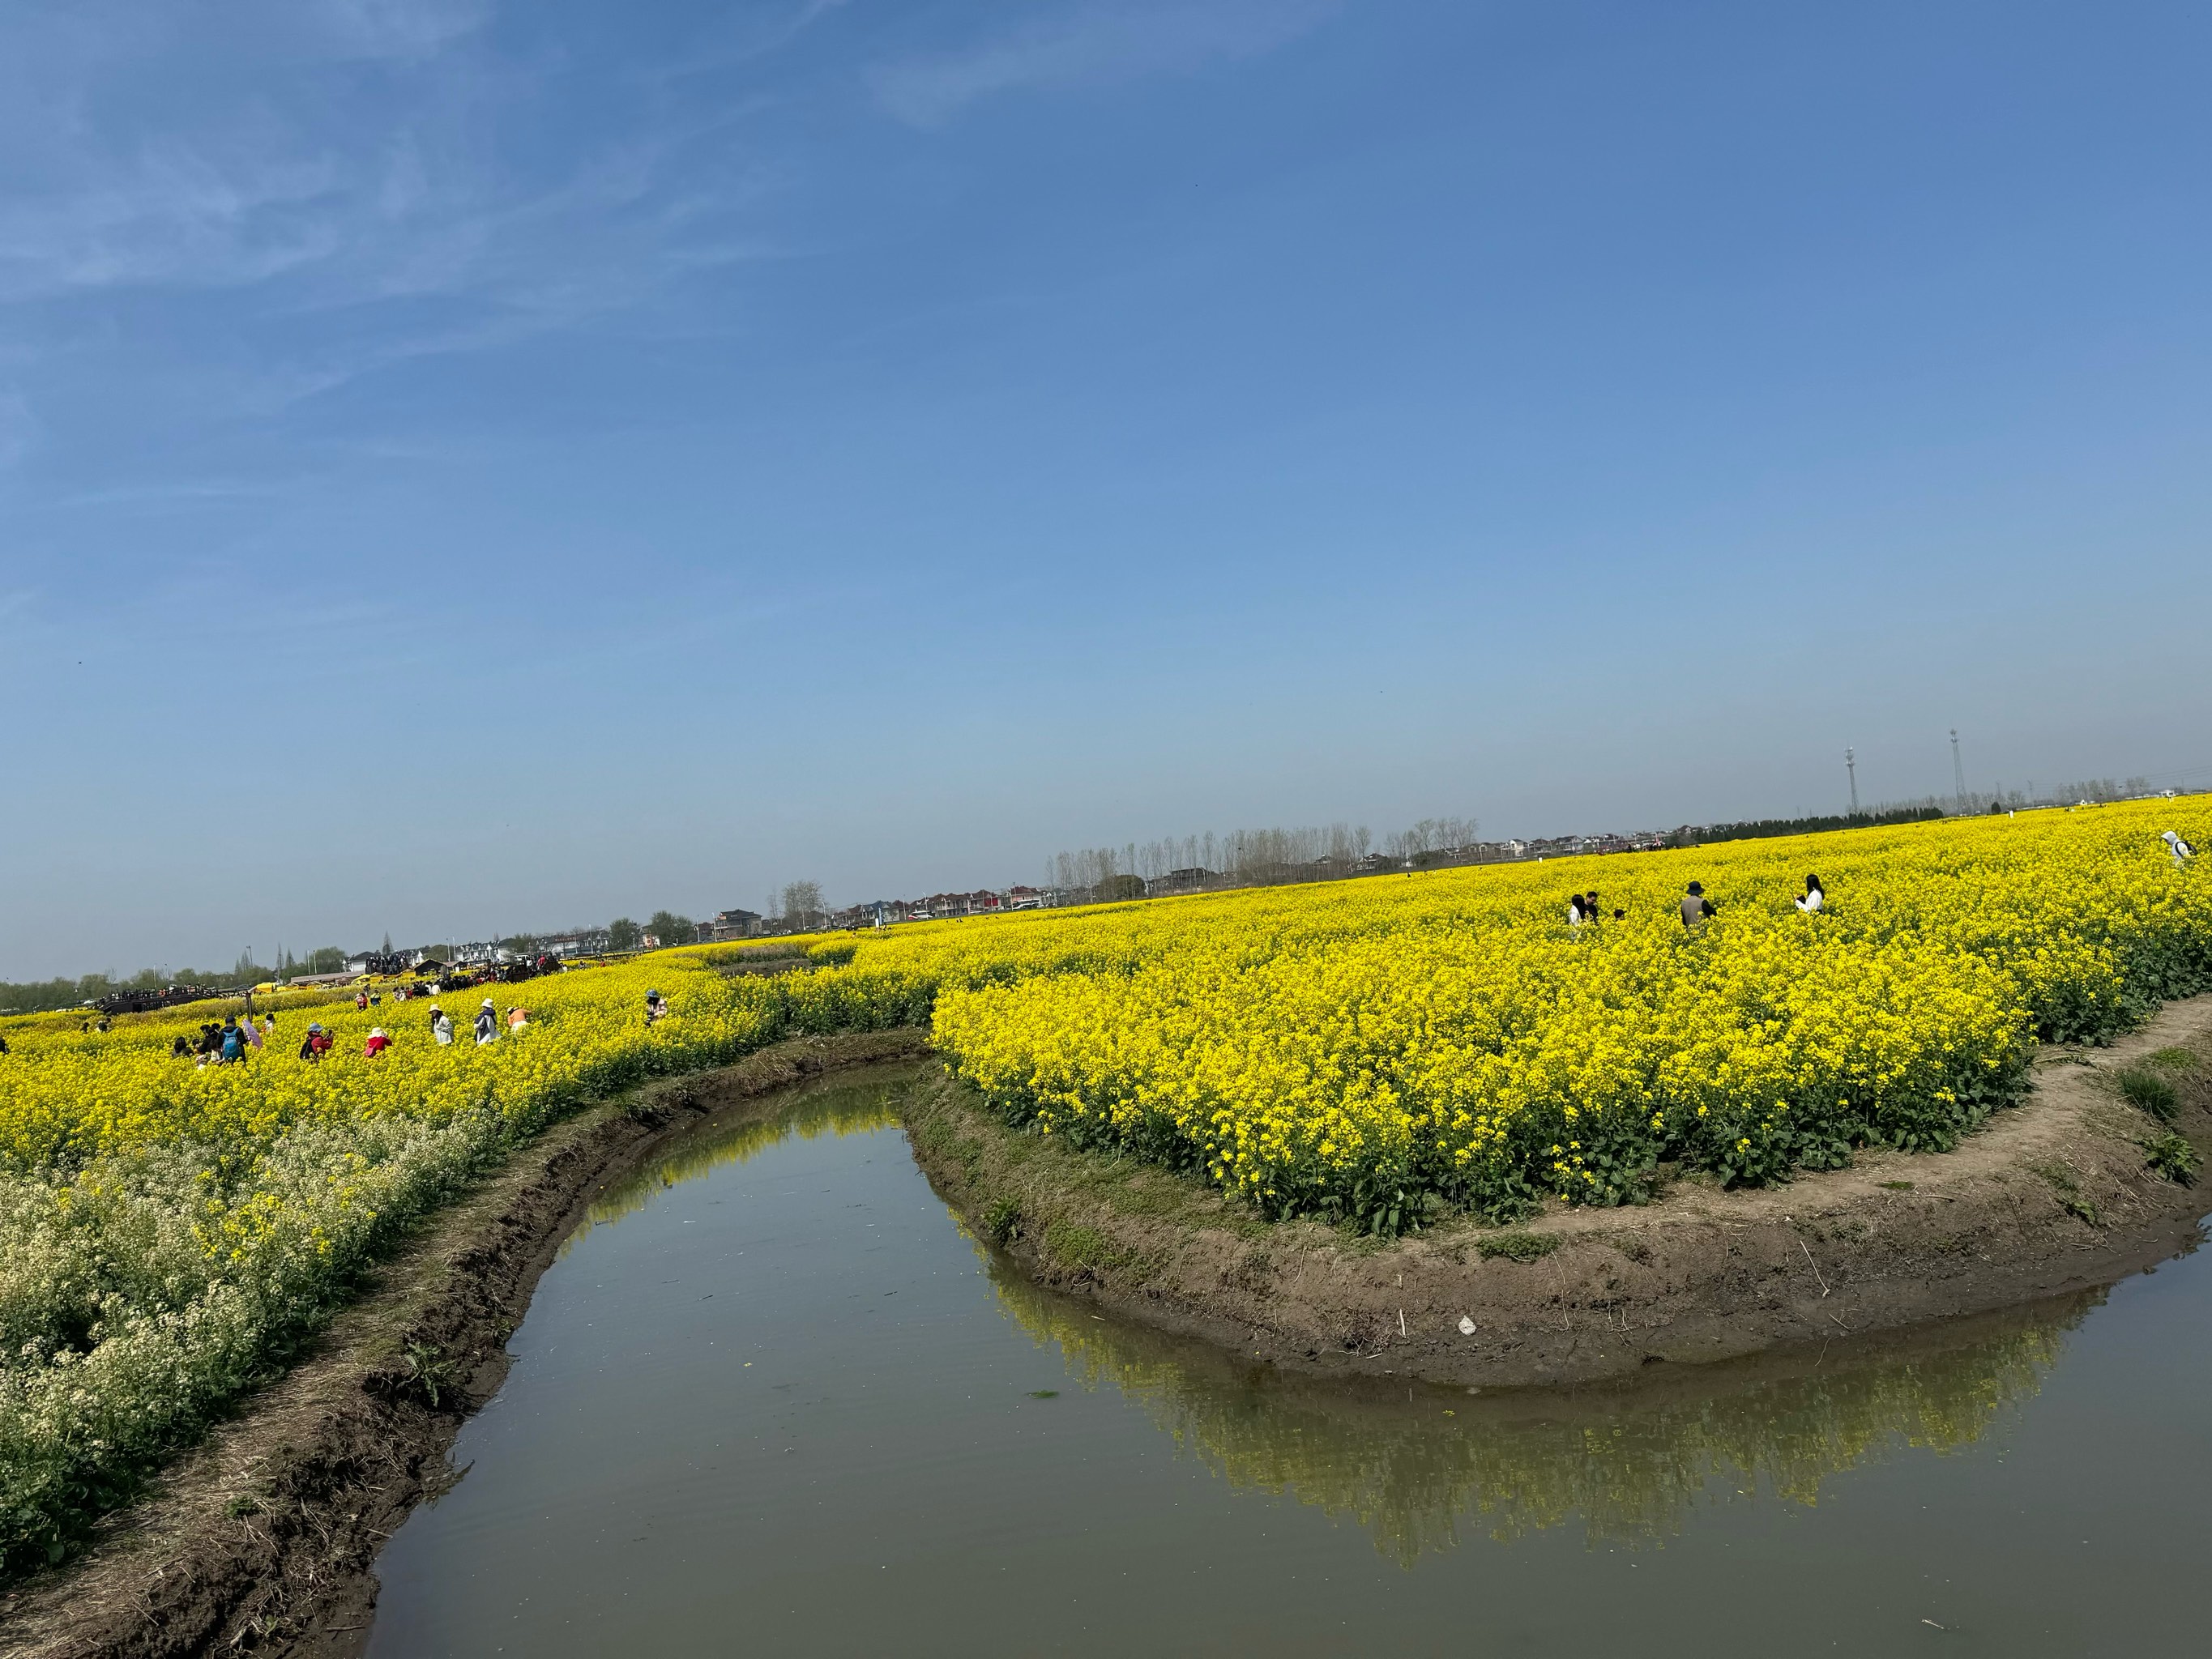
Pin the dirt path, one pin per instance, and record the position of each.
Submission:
(2051, 1196)
(263, 1540)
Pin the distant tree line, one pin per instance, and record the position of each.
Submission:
(1245, 857)
(41, 996)
(1704, 835)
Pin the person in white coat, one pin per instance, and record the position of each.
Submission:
(2182, 851)
(1813, 896)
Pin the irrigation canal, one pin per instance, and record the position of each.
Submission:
(772, 1400)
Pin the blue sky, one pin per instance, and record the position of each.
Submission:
(469, 465)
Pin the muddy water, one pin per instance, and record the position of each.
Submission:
(772, 1400)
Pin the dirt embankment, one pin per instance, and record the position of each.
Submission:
(262, 1539)
(2052, 1195)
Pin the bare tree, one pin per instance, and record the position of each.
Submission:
(802, 905)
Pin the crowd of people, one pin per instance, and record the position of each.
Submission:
(236, 1040)
(227, 1044)
(1696, 906)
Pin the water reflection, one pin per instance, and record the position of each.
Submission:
(1415, 1464)
(852, 1104)
(1419, 1466)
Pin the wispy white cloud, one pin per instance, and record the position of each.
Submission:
(168, 215)
(18, 429)
(1092, 42)
(430, 203)
(397, 28)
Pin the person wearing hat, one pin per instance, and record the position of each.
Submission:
(656, 1007)
(441, 1026)
(1696, 906)
(315, 1044)
(2182, 851)
(487, 1022)
(377, 1043)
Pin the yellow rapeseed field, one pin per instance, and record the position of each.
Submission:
(1374, 1051)
(1378, 1050)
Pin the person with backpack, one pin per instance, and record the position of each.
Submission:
(2182, 851)
(1696, 906)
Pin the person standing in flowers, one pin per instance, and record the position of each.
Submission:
(2182, 851)
(441, 1027)
(232, 1052)
(1813, 896)
(516, 1019)
(1696, 906)
(487, 1023)
(1575, 911)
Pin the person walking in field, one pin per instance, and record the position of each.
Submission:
(1696, 906)
(1813, 897)
(1575, 914)
(487, 1023)
(377, 1043)
(516, 1019)
(2182, 851)
(232, 1052)
(441, 1028)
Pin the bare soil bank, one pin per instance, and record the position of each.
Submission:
(262, 1539)
(2051, 1196)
